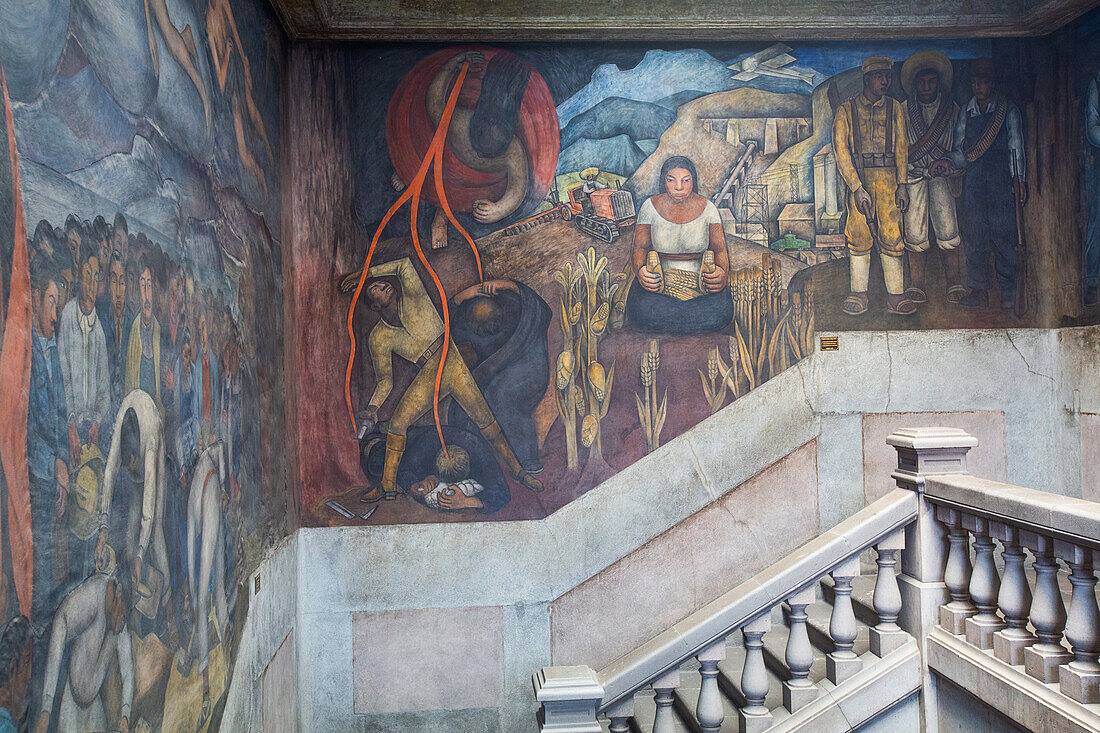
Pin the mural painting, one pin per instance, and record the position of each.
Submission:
(566, 257)
(140, 354)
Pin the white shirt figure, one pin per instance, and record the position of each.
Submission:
(81, 625)
(689, 238)
(145, 527)
(82, 350)
(204, 533)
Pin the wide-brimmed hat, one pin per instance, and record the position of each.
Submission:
(935, 61)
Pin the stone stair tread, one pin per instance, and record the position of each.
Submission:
(775, 652)
(817, 622)
(729, 680)
(686, 698)
(645, 708)
(863, 595)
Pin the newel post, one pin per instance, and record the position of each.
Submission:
(569, 697)
(925, 452)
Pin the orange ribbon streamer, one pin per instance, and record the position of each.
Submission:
(433, 158)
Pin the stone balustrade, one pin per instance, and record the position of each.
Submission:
(993, 612)
(741, 619)
(965, 605)
(997, 625)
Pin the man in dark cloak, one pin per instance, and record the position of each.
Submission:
(500, 326)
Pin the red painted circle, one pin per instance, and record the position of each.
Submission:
(409, 132)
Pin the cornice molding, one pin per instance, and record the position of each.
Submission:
(331, 20)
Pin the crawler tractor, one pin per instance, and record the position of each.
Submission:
(598, 214)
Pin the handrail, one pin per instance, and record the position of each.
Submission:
(1064, 518)
(751, 598)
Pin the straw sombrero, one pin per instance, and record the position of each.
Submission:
(923, 61)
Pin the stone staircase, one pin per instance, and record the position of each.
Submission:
(819, 613)
(843, 635)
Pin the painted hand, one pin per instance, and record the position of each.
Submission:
(74, 443)
(713, 282)
(940, 168)
(475, 59)
(101, 551)
(485, 212)
(863, 201)
(459, 501)
(901, 198)
(651, 281)
(61, 475)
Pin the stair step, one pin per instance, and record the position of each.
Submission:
(645, 707)
(686, 698)
(775, 651)
(863, 595)
(729, 679)
(817, 622)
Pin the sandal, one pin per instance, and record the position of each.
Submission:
(903, 307)
(855, 304)
(915, 294)
(955, 293)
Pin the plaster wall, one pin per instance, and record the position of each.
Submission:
(553, 582)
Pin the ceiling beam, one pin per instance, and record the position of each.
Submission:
(769, 20)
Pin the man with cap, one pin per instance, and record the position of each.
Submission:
(872, 154)
(989, 147)
(930, 116)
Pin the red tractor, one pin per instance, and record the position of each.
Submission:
(598, 214)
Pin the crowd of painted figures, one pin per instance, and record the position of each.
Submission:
(134, 445)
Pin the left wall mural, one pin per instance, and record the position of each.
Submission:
(140, 355)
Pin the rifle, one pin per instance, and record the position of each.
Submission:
(1021, 250)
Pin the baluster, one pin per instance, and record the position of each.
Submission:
(1014, 599)
(663, 687)
(620, 714)
(956, 574)
(709, 711)
(798, 691)
(620, 725)
(1048, 613)
(755, 716)
(1080, 679)
(887, 635)
(842, 663)
(985, 584)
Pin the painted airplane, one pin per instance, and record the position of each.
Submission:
(772, 61)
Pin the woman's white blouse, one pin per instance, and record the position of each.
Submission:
(690, 237)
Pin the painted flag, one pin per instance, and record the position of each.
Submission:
(15, 363)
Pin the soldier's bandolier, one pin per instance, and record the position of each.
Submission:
(931, 129)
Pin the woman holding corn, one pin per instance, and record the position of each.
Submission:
(680, 259)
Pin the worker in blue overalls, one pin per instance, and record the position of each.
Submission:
(989, 147)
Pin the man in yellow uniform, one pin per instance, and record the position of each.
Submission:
(872, 152)
(410, 327)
